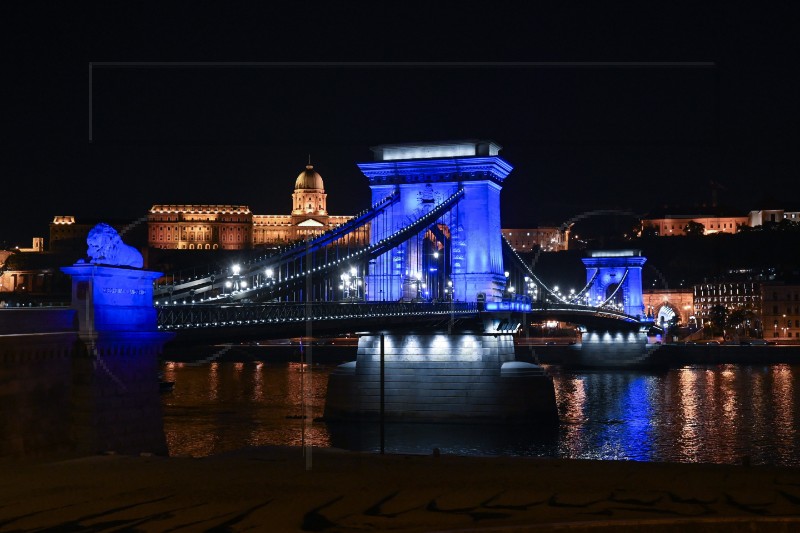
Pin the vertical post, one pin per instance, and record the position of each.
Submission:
(307, 406)
(451, 291)
(383, 396)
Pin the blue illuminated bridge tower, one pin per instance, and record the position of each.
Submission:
(616, 277)
(462, 251)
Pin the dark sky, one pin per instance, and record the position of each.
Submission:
(602, 107)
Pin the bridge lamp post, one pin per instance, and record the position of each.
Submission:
(345, 285)
(449, 293)
(236, 269)
(355, 283)
(436, 284)
(418, 283)
(530, 288)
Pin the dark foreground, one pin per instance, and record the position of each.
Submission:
(282, 490)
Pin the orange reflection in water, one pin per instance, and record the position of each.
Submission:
(783, 404)
(213, 381)
(258, 383)
(571, 398)
(221, 407)
(726, 400)
(689, 442)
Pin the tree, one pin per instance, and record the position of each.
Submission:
(719, 319)
(694, 228)
(736, 318)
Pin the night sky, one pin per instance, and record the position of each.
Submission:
(621, 107)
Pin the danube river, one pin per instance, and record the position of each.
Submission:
(726, 414)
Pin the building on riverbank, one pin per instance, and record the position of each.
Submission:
(780, 311)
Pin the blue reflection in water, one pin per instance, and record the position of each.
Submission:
(636, 438)
(616, 418)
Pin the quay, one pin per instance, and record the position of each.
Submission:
(295, 489)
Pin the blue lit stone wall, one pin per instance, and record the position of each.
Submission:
(479, 216)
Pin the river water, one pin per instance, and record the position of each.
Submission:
(725, 414)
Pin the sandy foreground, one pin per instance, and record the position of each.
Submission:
(281, 489)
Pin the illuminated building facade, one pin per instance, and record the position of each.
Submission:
(742, 297)
(235, 227)
(545, 238)
(65, 229)
(675, 224)
(29, 273)
(762, 216)
(780, 311)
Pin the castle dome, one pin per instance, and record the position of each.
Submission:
(309, 179)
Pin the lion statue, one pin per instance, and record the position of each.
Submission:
(106, 248)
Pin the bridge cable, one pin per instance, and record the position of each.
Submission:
(217, 279)
(364, 255)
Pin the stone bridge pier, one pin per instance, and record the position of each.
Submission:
(611, 348)
(468, 376)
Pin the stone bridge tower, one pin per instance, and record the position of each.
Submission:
(460, 255)
(620, 271)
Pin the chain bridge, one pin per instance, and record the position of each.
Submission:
(436, 256)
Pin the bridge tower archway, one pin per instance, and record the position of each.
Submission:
(664, 314)
(617, 272)
(463, 253)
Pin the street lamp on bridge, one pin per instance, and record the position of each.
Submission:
(531, 289)
(234, 282)
(351, 284)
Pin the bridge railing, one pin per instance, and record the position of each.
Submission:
(172, 317)
(578, 309)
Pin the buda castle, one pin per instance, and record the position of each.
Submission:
(235, 227)
(231, 227)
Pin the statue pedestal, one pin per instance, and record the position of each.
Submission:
(110, 298)
(116, 403)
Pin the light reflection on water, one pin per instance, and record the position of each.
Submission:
(710, 414)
